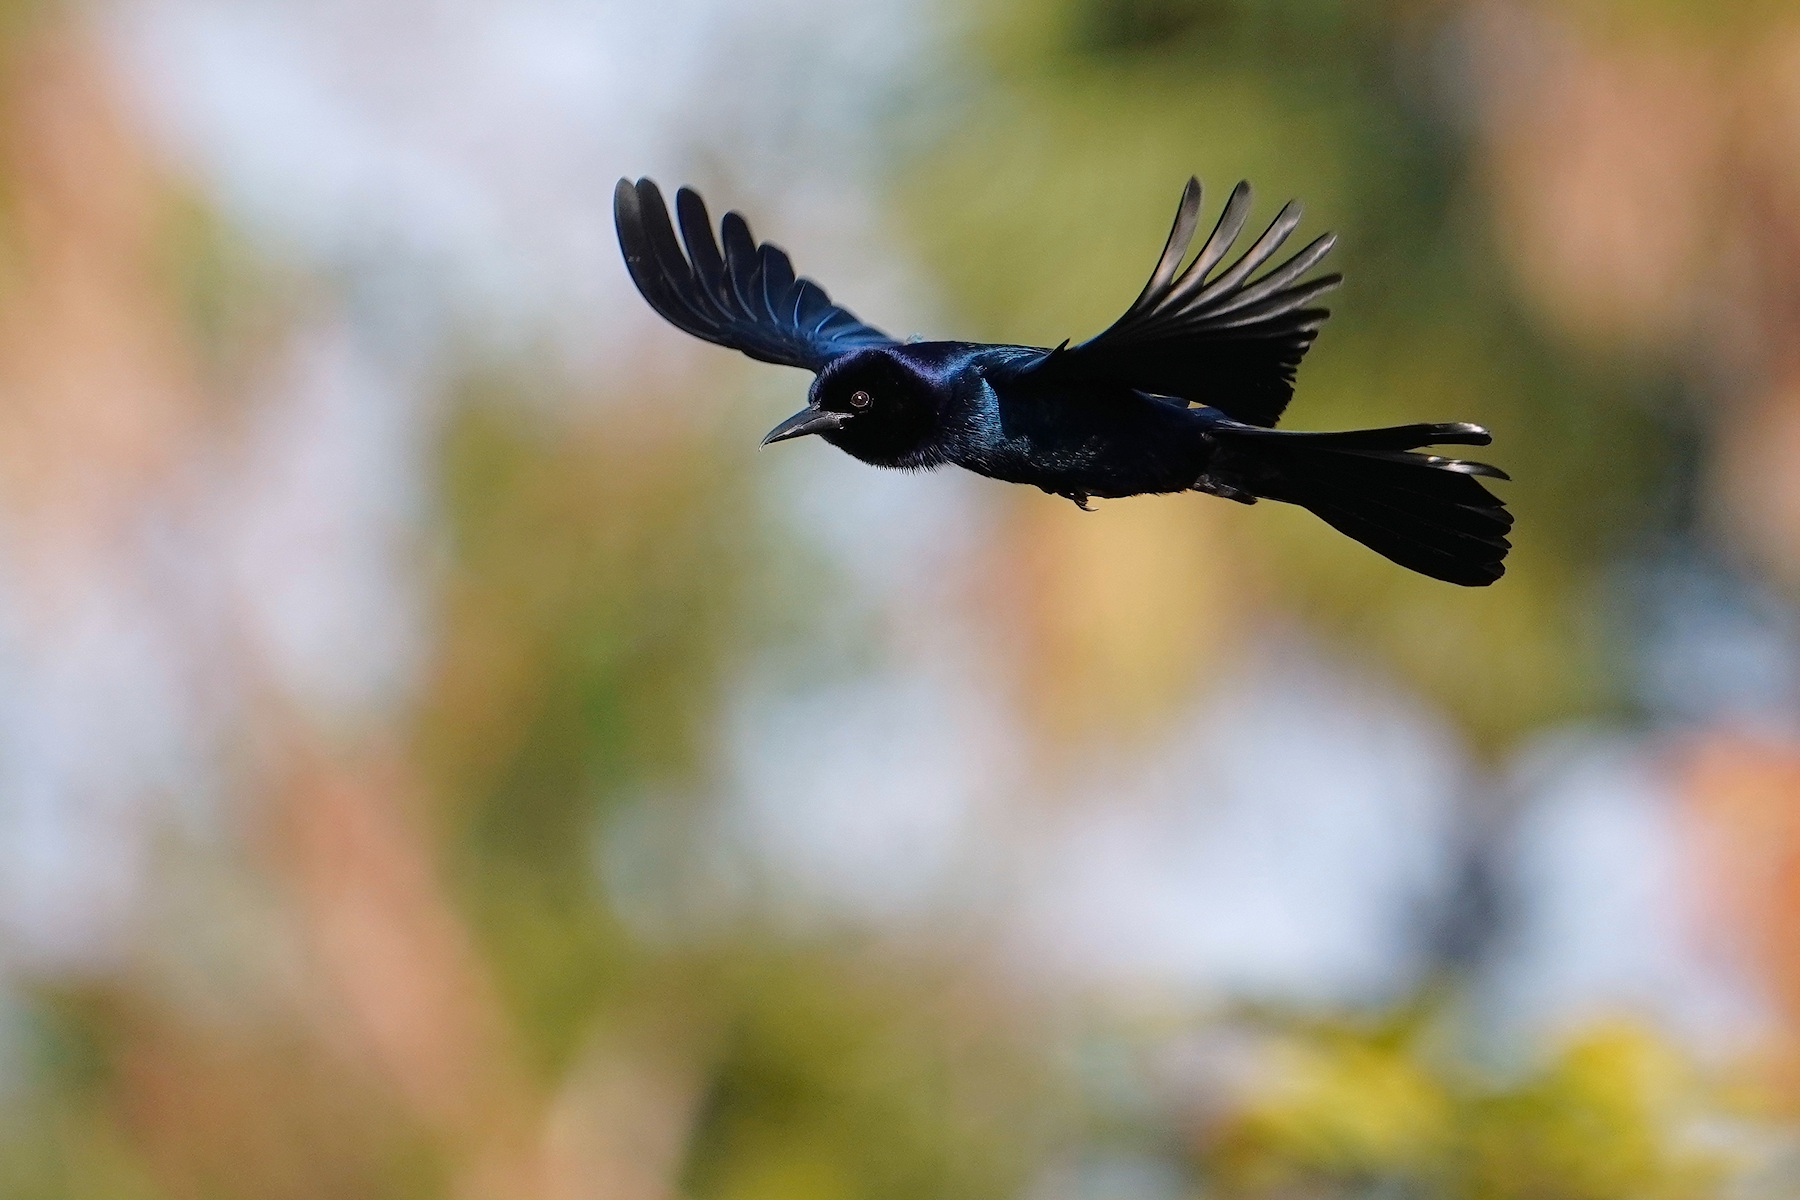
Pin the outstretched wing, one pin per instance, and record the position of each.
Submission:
(746, 298)
(1225, 339)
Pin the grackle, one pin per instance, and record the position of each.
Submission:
(1180, 394)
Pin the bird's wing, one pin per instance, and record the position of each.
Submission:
(1223, 339)
(746, 298)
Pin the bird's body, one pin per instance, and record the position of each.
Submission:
(1181, 394)
(990, 418)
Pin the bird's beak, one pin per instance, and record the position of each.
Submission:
(807, 420)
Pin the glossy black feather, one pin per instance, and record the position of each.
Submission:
(745, 296)
(1180, 394)
(1424, 512)
(1233, 340)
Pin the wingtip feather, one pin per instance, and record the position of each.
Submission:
(744, 296)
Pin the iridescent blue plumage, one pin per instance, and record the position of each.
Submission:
(1180, 394)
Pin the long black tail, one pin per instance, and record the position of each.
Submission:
(1424, 512)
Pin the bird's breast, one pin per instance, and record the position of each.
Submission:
(1100, 445)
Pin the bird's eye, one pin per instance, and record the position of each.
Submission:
(860, 399)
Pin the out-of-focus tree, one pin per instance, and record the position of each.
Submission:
(1349, 1110)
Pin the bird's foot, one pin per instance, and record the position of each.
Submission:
(1080, 499)
(1213, 487)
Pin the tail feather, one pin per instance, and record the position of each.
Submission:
(1427, 513)
(1400, 437)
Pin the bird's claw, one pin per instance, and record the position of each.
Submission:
(1213, 487)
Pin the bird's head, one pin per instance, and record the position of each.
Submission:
(874, 404)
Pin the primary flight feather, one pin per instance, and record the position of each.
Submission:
(1180, 394)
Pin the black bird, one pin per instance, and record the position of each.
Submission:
(1181, 393)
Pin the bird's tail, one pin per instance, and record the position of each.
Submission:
(1425, 512)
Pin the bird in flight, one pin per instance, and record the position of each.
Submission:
(1180, 394)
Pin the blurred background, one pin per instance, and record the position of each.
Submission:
(441, 756)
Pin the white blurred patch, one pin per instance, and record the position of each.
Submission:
(902, 538)
(324, 526)
(1113, 1176)
(870, 800)
(1285, 843)
(476, 145)
(1601, 890)
(92, 722)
